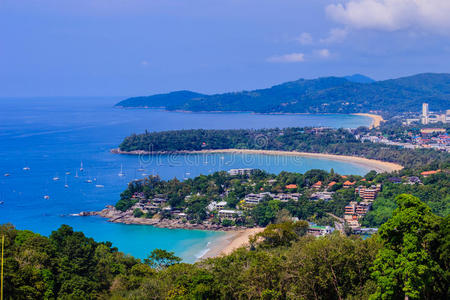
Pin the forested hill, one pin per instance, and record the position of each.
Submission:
(330, 141)
(323, 95)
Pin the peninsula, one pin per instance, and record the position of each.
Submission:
(321, 95)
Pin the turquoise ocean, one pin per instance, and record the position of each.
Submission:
(52, 136)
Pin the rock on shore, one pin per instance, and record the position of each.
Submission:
(126, 217)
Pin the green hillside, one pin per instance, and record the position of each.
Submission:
(322, 95)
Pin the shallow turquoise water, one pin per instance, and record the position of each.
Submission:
(52, 136)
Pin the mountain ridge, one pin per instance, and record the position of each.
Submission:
(320, 95)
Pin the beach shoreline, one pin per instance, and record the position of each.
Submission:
(377, 165)
(376, 119)
(231, 241)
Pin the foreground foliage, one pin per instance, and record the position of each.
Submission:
(409, 257)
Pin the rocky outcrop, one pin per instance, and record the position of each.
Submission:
(127, 217)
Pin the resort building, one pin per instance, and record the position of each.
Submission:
(221, 205)
(291, 186)
(349, 184)
(234, 172)
(317, 185)
(429, 173)
(229, 213)
(326, 196)
(319, 230)
(254, 199)
(368, 193)
(286, 197)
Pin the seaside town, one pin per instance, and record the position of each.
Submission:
(426, 131)
(229, 211)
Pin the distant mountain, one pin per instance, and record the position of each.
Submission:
(359, 78)
(161, 100)
(321, 95)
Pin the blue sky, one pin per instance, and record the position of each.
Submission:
(140, 47)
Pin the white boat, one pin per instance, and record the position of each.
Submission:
(26, 168)
(81, 167)
(121, 171)
(56, 178)
(65, 182)
(99, 186)
(88, 181)
(67, 173)
(7, 174)
(46, 197)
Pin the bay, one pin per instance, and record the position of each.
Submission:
(53, 136)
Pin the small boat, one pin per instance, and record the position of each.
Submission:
(7, 174)
(46, 197)
(121, 171)
(88, 181)
(56, 178)
(99, 186)
(81, 166)
(26, 168)
(67, 173)
(65, 182)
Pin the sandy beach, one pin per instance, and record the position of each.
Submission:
(373, 164)
(231, 241)
(377, 165)
(376, 119)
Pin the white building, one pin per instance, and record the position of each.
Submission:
(234, 172)
(229, 213)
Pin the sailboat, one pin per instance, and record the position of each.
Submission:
(121, 171)
(81, 166)
(65, 182)
(56, 178)
(26, 168)
(141, 169)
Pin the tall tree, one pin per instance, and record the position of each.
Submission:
(406, 266)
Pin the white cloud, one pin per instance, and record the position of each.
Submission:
(336, 35)
(287, 58)
(323, 53)
(393, 15)
(305, 39)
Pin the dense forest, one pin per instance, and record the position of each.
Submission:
(194, 195)
(331, 141)
(407, 259)
(322, 95)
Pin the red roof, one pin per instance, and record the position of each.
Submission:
(291, 186)
(349, 183)
(318, 183)
(332, 183)
(430, 172)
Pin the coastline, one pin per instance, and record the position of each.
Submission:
(377, 165)
(230, 242)
(376, 119)
(126, 217)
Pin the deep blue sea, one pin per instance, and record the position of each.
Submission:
(53, 136)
